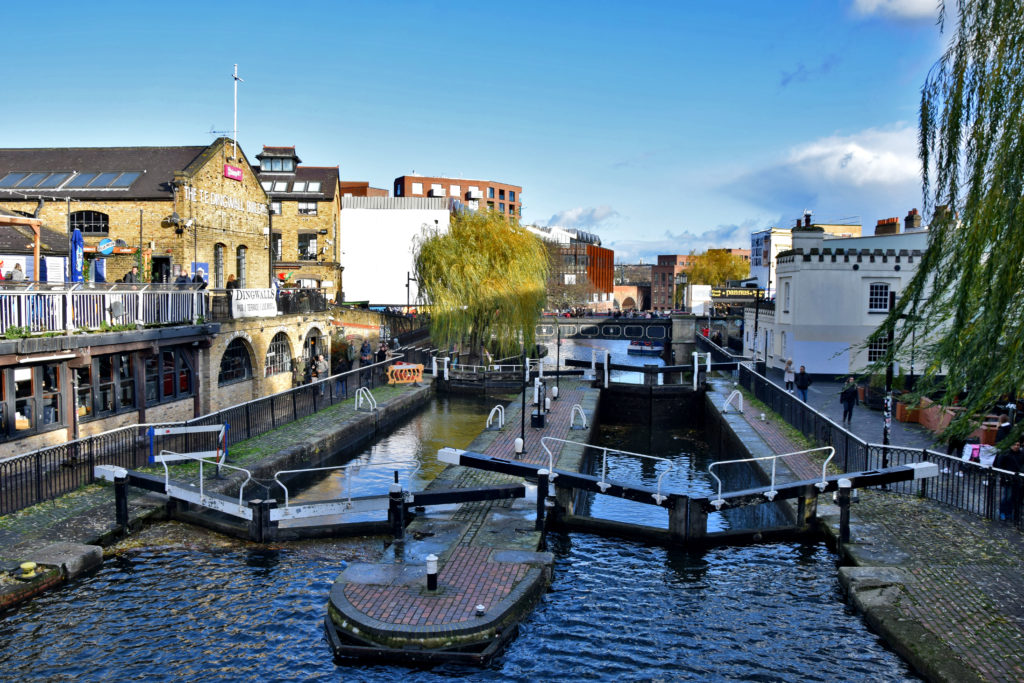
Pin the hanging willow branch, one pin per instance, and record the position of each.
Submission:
(485, 281)
(966, 299)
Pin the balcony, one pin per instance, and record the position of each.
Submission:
(39, 308)
(289, 302)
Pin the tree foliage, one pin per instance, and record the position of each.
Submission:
(715, 266)
(965, 298)
(485, 277)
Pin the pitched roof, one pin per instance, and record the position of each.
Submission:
(156, 165)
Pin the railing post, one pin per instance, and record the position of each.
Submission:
(924, 481)
(68, 313)
(990, 495)
(121, 500)
(396, 510)
(844, 510)
(542, 495)
(39, 478)
(248, 424)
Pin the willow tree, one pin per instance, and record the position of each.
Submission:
(484, 280)
(965, 299)
(715, 266)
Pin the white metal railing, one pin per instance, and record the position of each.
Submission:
(498, 410)
(348, 471)
(696, 366)
(739, 401)
(364, 394)
(603, 483)
(771, 493)
(577, 409)
(202, 498)
(40, 307)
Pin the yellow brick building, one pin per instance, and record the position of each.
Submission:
(194, 206)
(304, 206)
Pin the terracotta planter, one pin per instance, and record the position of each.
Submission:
(901, 411)
(860, 392)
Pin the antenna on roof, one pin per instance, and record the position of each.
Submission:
(234, 130)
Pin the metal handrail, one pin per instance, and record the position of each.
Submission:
(770, 494)
(362, 393)
(500, 410)
(577, 409)
(201, 460)
(348, 480)
(603, 481)
(737, 395)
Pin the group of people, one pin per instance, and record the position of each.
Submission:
(801, 381)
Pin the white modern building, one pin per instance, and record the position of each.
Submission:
(767, 244)
(831, 294)
(378, 236)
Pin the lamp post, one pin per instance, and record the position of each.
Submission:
(408, 278)
(558, 358)
(887, 413)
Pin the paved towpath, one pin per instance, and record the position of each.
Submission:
(486, 550)
(954, 604)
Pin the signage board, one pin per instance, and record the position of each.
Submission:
(232, 172)
(253, 303)
(748, 294)
(106, 246)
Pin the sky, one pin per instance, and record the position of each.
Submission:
(664, 127)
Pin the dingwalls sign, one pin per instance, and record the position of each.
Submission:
(232, 172)
(249, 303)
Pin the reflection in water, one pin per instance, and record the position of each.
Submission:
(190, 606)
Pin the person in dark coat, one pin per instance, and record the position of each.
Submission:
(232, 283)
(802, 381)
(1004, 429)
(199, 279)
(132, 275)
(848, 397)
(1010, 460)
(183, 280)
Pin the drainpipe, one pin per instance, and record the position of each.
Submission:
(35, 242)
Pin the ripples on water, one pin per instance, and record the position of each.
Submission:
(616, 611)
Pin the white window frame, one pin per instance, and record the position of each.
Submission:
(878, 302)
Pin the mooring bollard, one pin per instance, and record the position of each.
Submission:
(121, 499)
(396, 510)
(431, 572)
(542, 494)
(844, 510)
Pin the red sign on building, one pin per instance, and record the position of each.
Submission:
(232, 172)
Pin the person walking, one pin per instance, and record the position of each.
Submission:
(802, 381)
(132, 276)
(788, 375)
(848, 397)
(321, 370)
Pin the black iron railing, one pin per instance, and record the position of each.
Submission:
(51, 472)
(968, 486)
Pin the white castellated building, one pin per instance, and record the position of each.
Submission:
(831, 294)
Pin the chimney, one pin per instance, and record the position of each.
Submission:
(887, 226)
(807, 219)
(912, 221)
(797, 223)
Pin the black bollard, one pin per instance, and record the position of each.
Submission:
(844, 510)
(121, 499)
(542, 495)
(396, 510)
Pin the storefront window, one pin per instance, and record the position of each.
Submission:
(169, 376)
(235, 365)
(31, 400)
(279, 355)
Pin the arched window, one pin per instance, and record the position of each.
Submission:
(240, 266)
(218, 266)
(878, 297)
(314, 345)
(279, 355)
(235, 365)
(91, 222)
(786, 297)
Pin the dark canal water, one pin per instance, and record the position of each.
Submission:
(184, 605)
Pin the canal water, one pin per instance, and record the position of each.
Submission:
(177, 604)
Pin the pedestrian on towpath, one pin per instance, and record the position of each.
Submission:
(802, 381)
(1011, 460)
(848, 397)
(788, 374)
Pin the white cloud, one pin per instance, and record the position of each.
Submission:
(871, 174)
(898, 9)
(590, 217)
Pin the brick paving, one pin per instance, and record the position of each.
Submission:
(964, 575)
(469, 575)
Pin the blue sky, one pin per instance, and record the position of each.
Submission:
(662, 126)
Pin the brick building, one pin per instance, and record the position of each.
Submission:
(360, 188)
(476, 194)
(664, 280)
(304, 205)
(200, 207)
(581, 261)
